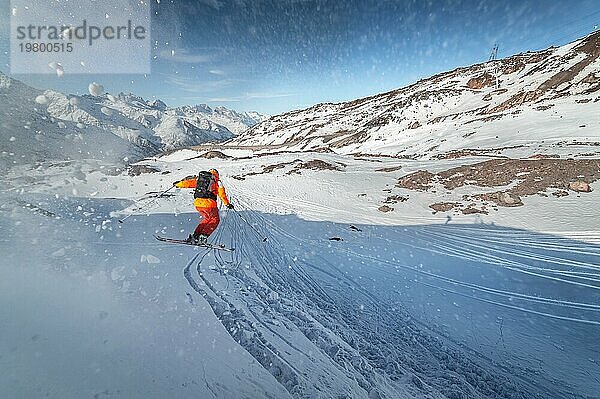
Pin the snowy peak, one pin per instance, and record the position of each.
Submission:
(188, 131)
(235, 122)
(158, 104)
(487, 105)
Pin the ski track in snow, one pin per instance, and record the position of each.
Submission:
(353, 285)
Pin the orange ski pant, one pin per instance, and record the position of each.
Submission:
(209, 211)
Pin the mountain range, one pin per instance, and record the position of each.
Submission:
(38, 125)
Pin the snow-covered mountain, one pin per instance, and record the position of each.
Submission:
(235, 122)
(49, 125)
(518, 100)
(30, 132)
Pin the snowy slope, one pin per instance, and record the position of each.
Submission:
(550, 95)
(75, 324)
(342, 300)
(505, 290)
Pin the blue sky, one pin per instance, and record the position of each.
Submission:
(276, 55)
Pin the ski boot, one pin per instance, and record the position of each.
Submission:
(196, 240)
(202, 239)
(191, 240)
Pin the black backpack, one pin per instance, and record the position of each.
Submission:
(203, 185)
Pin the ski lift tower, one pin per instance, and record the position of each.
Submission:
(494, 57)
(494, 54)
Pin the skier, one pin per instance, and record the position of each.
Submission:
(207, 187)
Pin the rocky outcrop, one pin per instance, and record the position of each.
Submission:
(525, 177)
(215, 154)
(421, 180)
(136, 170)
(444, 206)
(484, 80)
(580, 186)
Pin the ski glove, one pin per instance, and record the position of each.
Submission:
(229, 206)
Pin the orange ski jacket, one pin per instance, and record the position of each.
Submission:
(217, 187)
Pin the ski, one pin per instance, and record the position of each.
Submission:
(204, 245)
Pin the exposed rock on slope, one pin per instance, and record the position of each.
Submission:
(516, 179)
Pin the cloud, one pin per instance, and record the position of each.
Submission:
(268, 95)
(184, 56)
(216, 4)
(196, 86)
(250, 96)
(183, 99)
(194, 90)
(224, 100)
(216, 72)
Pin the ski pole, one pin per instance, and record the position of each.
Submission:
(252, 227)
(155, 198)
